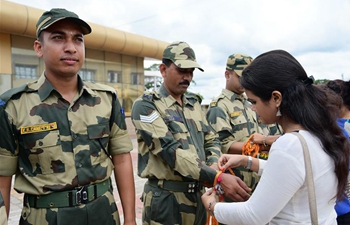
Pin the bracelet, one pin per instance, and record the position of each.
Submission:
(250, 161)
(210, 210)
(264, 140)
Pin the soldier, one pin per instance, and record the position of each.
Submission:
(3, 214)
(63, 137)
(177, 151)
(231, 116)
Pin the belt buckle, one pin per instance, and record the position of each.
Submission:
(81, 196)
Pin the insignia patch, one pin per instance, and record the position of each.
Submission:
(39, 128)
(122, 111)
(150, 118)
(213, 104)
(2, 102)
(236, 113)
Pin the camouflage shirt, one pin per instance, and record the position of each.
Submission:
(55, 145)
(175, 142)
(232, 118)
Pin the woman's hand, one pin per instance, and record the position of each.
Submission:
(207, 197)
(231, 161)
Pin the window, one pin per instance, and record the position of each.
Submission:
(114, 76)
(25, 71)
(135, 78)
(87, 75)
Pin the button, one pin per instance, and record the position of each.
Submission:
(80, 165)
(70, 109)
(41, 143)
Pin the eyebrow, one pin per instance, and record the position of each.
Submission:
(65, 33)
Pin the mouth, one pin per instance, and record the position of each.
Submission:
(70, 60)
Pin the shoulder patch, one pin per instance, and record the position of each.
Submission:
(148, 96)
(213, 104)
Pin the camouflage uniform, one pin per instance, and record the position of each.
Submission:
(3, 215)
(175, 146)
(231, 116)
(54, 146)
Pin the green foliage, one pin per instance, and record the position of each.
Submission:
(153, 67)
(321, 81)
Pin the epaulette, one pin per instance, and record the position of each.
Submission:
(215, 101)
(5, 97)
(100, 87)
(194, 96)
(148, 96)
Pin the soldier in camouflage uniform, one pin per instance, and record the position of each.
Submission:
(3, 214)
(231, 116)
(177, 150)
(63, 137)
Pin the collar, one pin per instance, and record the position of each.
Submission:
(45, 88)
(169, 99)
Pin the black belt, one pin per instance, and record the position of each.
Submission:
(78, 196)
(177, 186)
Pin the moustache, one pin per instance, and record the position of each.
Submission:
(185, 82)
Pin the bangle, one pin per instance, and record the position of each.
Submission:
(250, 161)
(210, 210)
(264, 140)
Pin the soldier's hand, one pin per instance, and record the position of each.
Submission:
(234, 188)
(214, 166)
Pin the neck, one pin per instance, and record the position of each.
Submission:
(289, 126)
(66, 86)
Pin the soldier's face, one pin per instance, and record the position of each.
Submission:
(265, 110)
(176, 80)
(62, 48)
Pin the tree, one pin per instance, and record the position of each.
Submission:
(153, 67)
(321, 81)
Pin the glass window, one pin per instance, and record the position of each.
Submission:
(114, 76)
(134, 79)
(25, 71)
(87, 75)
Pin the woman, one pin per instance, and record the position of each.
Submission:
(341, 89)
(280, 91)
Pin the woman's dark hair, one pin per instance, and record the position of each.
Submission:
(302, 103)
(343, 89)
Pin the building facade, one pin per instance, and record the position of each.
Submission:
(113, 57)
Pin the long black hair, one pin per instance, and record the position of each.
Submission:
(302, 103)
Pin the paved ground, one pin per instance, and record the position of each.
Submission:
(16, 199)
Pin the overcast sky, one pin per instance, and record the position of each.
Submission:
(316, 32)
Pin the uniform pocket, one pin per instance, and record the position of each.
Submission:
(44, 151)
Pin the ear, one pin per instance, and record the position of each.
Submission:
(227, 74)
(276, 97)
(38, 48)
(162, 69)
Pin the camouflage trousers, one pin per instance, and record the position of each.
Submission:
(102, 210)
(169, 208)
(3, 215)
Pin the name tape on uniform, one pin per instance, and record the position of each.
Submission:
(39, 128)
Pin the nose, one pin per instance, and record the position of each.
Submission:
(70, 46)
